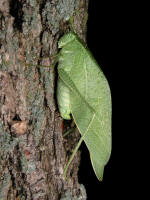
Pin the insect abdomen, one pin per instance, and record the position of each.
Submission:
(63, 100)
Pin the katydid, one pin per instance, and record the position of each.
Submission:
(83, 91)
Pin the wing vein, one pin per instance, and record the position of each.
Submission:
(101, 141)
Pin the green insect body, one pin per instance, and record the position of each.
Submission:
(63, 99)
(83, 91)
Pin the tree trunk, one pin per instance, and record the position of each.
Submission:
(33, 152)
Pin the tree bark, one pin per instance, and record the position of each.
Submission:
(33, 152)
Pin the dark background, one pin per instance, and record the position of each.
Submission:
(97, 40)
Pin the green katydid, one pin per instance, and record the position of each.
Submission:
(83, 91)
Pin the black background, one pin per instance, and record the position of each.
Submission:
(97, 40)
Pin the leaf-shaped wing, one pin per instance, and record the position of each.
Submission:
(90, 101)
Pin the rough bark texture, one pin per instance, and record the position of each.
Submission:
(33, 152)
